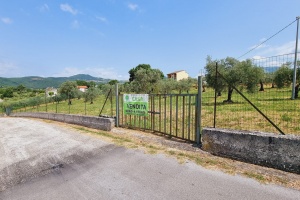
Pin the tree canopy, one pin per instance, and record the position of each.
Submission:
(132, 72)
(69, 90)
(236, 73)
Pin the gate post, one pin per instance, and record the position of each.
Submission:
(117, 106)
(198, 111)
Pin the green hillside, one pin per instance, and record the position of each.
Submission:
(37, 82)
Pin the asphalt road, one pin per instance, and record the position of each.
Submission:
(46, 161)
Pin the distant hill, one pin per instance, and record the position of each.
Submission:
(271, 69)
(37, 82)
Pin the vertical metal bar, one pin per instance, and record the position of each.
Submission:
(111, 105)
(122, 111)
(159, 104)
(183, 115)
(295, 62)
(189, 118)
(55, 105)
(176, 130)
(171, 114)
(153, 113)
(199, 103)
(165, 114)
(215, 104)
(117, 106)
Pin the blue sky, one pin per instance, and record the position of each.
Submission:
(106, 38)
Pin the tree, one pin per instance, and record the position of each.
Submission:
(235, 73)
(210, 76)
(91, 94)
(8, 93)
(185, 84)
(81, 83)
(146, 80)
(166, 85)
(69, 90)
(226, 67)
(20, 89)
(133, 71)
(283, 76)
(113, 82)
(250, 75)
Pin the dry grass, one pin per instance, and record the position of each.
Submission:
(183, 152)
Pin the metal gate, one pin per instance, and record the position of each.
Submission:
(171, 114)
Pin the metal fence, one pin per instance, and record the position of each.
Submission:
(176, 114)
(171, 114)
(273, 111)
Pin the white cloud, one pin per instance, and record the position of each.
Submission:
(274, 50)
(132, 6)
(44, 8)
(102, 19)
(6, 20)
(107, 73)
(68, 8)
(75, 24)
(285, 48)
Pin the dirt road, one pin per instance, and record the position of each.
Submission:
(45, 161)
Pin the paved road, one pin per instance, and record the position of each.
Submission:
(46, 161)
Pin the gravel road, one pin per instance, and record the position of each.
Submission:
(42, 160)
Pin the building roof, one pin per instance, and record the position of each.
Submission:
(83, 86)
(177, 72)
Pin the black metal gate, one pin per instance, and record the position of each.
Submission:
(171, 114)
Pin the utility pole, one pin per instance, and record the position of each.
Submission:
(295, 62)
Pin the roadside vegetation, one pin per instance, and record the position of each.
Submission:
(270, 92)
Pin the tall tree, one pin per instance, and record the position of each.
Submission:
(236, 73)
(69, 90)
(146, 80)
(283, 76)
(91, 94)
(133, 71)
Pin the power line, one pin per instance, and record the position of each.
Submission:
(267, 39)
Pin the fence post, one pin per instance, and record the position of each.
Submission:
(295, 62)
(117, 106)
(198, 114)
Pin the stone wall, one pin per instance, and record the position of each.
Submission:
(100, 123)
(276, 151)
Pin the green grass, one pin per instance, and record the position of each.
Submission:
(274, 103)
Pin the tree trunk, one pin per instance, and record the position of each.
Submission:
(261, 86)
(230, 91)
(70, 102)
(273, 85)
(296, 91)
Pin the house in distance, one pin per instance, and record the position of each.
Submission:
(178, 75)
(82, 88)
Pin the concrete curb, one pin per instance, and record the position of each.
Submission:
(105, 124)
(266, 149)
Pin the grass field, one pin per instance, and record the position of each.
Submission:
(275, 103)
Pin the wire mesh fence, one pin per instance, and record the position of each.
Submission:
(276, 103)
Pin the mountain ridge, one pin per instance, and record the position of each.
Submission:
(37, 82)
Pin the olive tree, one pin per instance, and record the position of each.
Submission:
(69, 90)
(233, 74)
(146, 80)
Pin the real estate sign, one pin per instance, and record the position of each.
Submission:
(135, 104)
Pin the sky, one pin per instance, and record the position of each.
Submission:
(107, 38)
